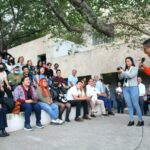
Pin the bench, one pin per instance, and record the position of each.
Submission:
(16, 121)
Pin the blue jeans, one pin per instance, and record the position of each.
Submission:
(107, 102)
(28, 108)
(131, 95)
(52, 109)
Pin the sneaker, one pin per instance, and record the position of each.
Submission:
(57, 121)
(27, 128)
(140, 123)
(39, 125)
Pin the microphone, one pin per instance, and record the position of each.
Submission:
(142, 60)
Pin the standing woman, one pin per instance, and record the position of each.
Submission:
(130, 89)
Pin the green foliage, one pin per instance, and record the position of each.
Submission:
(25, 20)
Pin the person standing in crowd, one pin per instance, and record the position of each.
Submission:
(56, 67)
(75, 99)
(46, 101)
(147, 101)
(26, 73)
(39, 65)
(14, 78)
(20, 62)
(10, 64)
(2, 62)
(27, 96)
(4, 81)
(49, 73)
(130, 89)
(3, 112)
(60, 79)
(6, 55)
(31, 67)
(142, 93)
(40, 75)
(119, 98)
(3, 121)
(72, 79)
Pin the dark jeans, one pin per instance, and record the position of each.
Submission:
(78, 105)
(120, 105)
(107, 102)
(146, 103)
(28, 108)
(8, 92)
(3, 120)
(141, 103)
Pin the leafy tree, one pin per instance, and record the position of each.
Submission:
(24, 20)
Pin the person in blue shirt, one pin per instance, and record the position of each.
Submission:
(72, 79)
(101, 88)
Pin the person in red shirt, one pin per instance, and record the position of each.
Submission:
(146, 46)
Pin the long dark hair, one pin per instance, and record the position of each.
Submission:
(131, 59)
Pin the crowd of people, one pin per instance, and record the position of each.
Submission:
(28, 88)
(25, 87)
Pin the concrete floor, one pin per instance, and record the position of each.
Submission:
(101, 133)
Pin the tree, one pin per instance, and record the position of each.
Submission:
(24, 20)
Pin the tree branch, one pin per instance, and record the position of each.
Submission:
(85, 10)
(62, 19)
(131, 26)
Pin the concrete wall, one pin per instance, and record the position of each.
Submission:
(88, 60)
(98, 60)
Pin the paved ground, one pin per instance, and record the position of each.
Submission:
(101, 133)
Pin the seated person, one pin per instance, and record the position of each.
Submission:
(40, 75)
(103, 95)
(75, 98)
(14, 78)
(26, 73)
(60, 79)
(58, 96)
(46, 101)
(93, 93)
(27, 96)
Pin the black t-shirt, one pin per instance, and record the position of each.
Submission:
(29, 96)
(49, 73)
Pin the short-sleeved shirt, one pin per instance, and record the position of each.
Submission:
(73, 91)
(92, 92)
(73, 79)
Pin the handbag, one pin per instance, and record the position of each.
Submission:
(63, 99)
(16, 110)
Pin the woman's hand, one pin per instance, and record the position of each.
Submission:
(141, 66)
(9, 87)
(29, 101)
